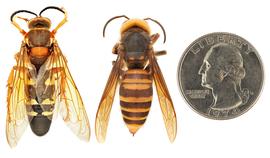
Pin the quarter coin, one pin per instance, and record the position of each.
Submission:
(220, 75)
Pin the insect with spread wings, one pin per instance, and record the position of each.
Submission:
(135, 67)
(40, 85)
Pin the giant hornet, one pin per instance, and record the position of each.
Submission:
(40, 85)
(135, 68)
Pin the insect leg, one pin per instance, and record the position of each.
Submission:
(18, 26)
(61, 23)
(154, 38)
(161, 52)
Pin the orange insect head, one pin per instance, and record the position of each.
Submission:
(135, 23)
(129, 23)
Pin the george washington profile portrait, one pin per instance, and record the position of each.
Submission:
(222, 71)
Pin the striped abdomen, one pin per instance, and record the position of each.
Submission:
(40, 104)
(135, 97)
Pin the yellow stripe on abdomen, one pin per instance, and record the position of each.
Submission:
(136, 94)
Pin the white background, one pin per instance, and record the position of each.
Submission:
(90, 57)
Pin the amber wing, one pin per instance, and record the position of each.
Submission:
(17, 120)
(68, 99)
(165, 100)
(105, 105)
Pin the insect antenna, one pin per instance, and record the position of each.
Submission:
(51, 7)
(21, 11)
(116, 17)
(164, 33)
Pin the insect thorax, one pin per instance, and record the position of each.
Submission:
(39, 43)
(39, 38)
(136, 42)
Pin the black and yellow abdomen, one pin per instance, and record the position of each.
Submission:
(40, 102)
(136, 94)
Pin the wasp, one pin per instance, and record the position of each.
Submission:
(41, 85)
(135, 69)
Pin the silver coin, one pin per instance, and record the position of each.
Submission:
(220, 75)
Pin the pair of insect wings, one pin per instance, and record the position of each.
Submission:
(166, 104)
(67, 98)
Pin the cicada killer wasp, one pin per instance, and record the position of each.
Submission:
(40, 85)
(135, 69)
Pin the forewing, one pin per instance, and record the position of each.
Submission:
(17, 120)
(165, 100)
(71, 104)
(105, 105)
